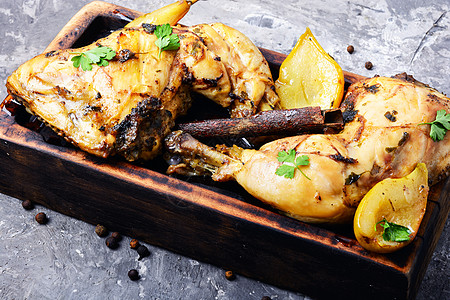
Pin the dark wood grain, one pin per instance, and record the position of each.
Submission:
(219, 225)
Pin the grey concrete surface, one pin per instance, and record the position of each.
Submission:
(66, 260)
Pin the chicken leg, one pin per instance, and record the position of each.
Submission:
(130, 105)
(384, 138)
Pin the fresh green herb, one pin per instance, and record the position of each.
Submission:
(167, 40)
(100, 56)
(439, 126)
(290, 163)
(394, 232)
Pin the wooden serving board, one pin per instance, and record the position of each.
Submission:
(214, 223)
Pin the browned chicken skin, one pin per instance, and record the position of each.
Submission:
(382, 139)
(129, 106)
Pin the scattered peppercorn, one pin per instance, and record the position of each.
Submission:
(27, 204)
(230, 275)
(142, 251)
(111, 243)
(41, 218)
(133, 274)
(117, 236)
(350, 49)
(369, 65)
(134, 244)
(101, 230)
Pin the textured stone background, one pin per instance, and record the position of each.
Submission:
(66, 260)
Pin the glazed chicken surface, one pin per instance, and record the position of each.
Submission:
(129, 106)
(382, 139)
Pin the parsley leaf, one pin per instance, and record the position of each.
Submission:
(163, 30)
(100, 56)
(78, 60)
(162, 43)
(302, 160)
(167, 40)
(290, 163)
(286, 171)
(284, 156)
(394, 232)
(439, 126)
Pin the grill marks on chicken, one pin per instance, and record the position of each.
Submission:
(121, 92)
(251, 81)
(343, 167)
(129, 106)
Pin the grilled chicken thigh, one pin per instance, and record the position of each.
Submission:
(128, 106)
(382, 139)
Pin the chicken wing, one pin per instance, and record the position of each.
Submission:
(383, 138)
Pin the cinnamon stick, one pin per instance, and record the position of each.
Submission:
(274, 122)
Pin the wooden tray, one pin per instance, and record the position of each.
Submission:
(214, 223)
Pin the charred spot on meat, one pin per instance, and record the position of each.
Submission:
(390, 116)
(149, 28)
(124, 55)
(371, 88)
(339, 157)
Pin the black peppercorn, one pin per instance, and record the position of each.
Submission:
(111, 243)
(266, 298)
(142, 251)
(117, 236)
(27, 204)
(230, 275)
(134, 244)
(41, 218)
(101, 230)
(350, 49)
(368, 65)
(133, 274)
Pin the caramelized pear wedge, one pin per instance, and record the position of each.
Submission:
(169, 14)
(309, 77)
(389, 216)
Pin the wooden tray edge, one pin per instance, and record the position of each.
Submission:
(73, 30)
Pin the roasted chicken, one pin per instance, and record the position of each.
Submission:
(130, 105)
(383, 138)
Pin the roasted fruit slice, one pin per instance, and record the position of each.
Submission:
(169, 14)
(390, 214)
(309, 77)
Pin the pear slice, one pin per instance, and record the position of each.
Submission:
(169, 14)
(398, 203)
